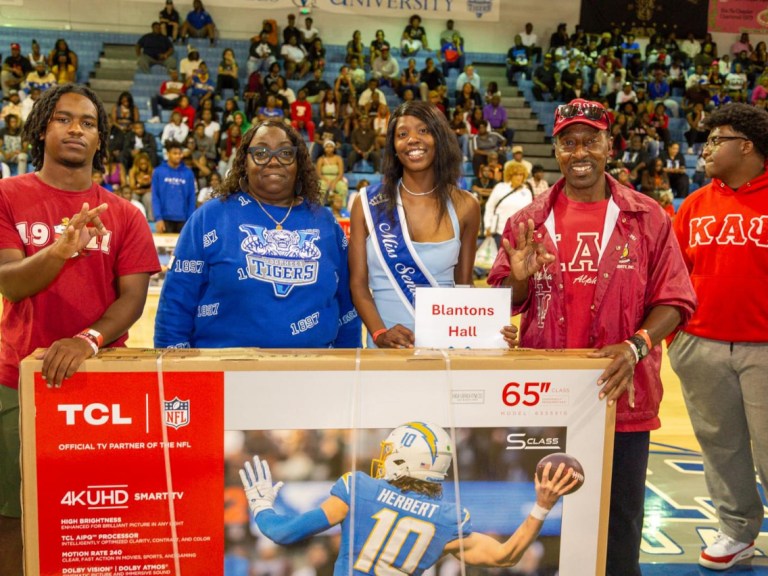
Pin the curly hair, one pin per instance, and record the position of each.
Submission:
(447, 163)
(748, 120)
(306, 186)
(37, 123)
(514, 167)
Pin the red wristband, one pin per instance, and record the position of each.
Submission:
(96, 335)
(93, 336)
(378, 333)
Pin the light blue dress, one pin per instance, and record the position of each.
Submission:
(440, 258)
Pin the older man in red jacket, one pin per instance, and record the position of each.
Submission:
(593, 264)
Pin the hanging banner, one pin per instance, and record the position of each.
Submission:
(485, 10)
(738, 16)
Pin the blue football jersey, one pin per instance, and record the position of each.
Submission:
(389, 532)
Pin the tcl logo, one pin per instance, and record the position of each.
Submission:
(95, 414)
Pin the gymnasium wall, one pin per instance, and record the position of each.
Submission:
(236, 21)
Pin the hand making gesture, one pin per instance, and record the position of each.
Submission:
(529, 256)
(83, 226)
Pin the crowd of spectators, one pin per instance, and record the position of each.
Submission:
(345, 120)
(645, 88)
(23, 79)
(342, 105)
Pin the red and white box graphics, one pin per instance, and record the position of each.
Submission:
(131, 467)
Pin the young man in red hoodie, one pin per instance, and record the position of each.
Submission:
(721, 355)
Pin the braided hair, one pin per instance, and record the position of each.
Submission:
(42, 112)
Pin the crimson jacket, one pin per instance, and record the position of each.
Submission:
(641, 267)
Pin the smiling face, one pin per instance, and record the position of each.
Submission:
(414, 144)
(72, 135)
(582, 153)
(272, 183)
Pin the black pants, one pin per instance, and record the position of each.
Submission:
(625, 524)
(173, 226)
(679, 183)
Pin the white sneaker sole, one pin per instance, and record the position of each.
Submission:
(726, 562)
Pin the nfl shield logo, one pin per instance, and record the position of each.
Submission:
(176, 412)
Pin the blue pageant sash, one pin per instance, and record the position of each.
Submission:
(393, 246)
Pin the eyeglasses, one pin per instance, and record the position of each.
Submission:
(715, 141)
(261, 155)
(590, 112)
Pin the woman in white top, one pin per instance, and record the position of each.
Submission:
(506, 199)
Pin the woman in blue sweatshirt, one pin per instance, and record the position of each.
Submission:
(263, 264)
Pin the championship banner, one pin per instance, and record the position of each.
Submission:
(131, 468)
(738, 16)
(485, 10)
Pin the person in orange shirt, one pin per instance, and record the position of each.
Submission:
(721, 355)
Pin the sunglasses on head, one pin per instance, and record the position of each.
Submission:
(588, 111)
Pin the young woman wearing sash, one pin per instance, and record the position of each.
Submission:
(415, 228)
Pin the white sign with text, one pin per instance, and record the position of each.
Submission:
(462, 317)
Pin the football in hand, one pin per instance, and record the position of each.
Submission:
(570, 462)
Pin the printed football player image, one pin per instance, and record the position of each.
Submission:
(396, 521)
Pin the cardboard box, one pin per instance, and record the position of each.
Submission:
(130, 468)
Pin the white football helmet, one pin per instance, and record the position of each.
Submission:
(417, 450)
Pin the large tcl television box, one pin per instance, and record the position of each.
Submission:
(131, 467)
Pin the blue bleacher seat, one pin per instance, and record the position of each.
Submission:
(363, 167)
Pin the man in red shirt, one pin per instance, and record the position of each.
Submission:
(721, 355)
(75, 262)
(301, 115)
(593, 264)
